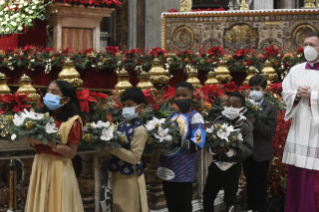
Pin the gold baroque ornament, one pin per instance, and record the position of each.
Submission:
(183, 37)
(186, 5)
(4, 89)
(270, 71)
(192, 74)
(310, 4)
(300, 32)
(144, 82)
(250, 73)
(244, 5)
(222, 72)
(158, 75)
(211, 78)
(70, 74)
(26, 87)
(123, 80)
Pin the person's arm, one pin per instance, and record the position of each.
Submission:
(133, 156)
(267, 129)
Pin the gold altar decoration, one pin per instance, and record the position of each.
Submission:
(144, 82)
(266, 75)
(25, 83)
(70, 74)
(268, 69)
(4, 89)
(250, 73)
(310, 4)
(192, 74)
(222, 72)
(238, 29)
(186, 5)
(158, 75)
(123, 80)
(211, 78)
(244, 5)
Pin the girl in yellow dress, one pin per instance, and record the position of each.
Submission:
(53, 184)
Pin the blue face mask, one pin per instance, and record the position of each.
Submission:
(256, 95)
(52, 101)
(129, 113)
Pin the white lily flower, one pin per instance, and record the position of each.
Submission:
(18, 19)
(30, 12)
(20, 28)
(13, 137)
(21, 5)
(12, 6)
(29, 20)
(27, 9)
(41, 7)
(155, 121)
(33, 7)
(229, 129)
(18, 119)
(240, 136)
(6, 9)
(101, 124)
(13, 24)
(7, 30)
(23, 15)
(107, 133)
(7, 16)
(25, 4)
(163, 135)
(222, 134)
(210, 129)
(51, 128)
(1, 13)
(36, 2)
(11, 17)
(7, 19)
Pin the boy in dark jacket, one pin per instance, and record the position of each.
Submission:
(256, 166)
(225, 170)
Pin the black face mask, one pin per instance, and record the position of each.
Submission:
(184, 104)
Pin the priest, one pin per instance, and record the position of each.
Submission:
(300, 93)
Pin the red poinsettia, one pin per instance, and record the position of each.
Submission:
(300, 50)
(15, 101)
(271, 51)
(173, 10)
(184, 52)
(133, 51)
(28, 48)
(169, 93)
(112, 50)
(99, 95)
(84, 99)
(150, 99)
(216, 51)
(243, 88)
(242, 52)
(157, 51)
(230, 87)
(276, 87)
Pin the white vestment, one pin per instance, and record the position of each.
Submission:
(302, 145)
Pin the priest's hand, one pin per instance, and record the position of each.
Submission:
(305, 91)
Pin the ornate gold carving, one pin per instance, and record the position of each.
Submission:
(251, 72)
(158, 75)
(269, 71)
(186, 5)
(222, 72)
(192, 73)
(144, 82)
(26, 87)
(211, 78)
(241, 36)
(300, 33)
(183, 37)
(4, 89)
(244, 5)
(70, 74)
(123, 81)
(310, 4)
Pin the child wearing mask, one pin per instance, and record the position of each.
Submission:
(127, 177)
(225, 170)
(256, 166)
(177, 167)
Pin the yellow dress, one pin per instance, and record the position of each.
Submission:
(129, 192)
(53, 184)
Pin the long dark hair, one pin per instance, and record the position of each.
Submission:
(70, 109)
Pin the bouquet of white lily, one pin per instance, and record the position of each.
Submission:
(163, 133)
(34, 125)
(102, 135)
(223, 136)
(253, 109)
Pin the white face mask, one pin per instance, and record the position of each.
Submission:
(231, 112)
(311, 53)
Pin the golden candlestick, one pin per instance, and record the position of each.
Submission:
(26, 87)
(144, 82)
(192, 74)
(70, 74)
(310, 4)
(222, 72)
(4, 89)
(244, 5)
(250, 73)
(123, 82)
(211, 78)
(268, 69)
(186, 5)
(158, 75)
